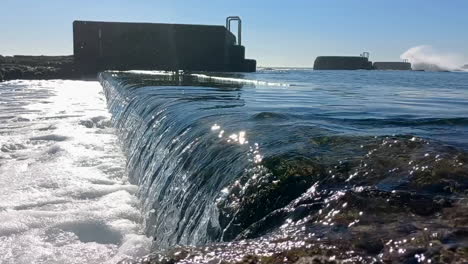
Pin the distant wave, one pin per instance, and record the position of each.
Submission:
(426, 58)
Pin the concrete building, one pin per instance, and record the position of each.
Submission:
(342, 63)
(101, 46)
(392, 65)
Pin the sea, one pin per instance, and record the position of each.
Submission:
(280, 165)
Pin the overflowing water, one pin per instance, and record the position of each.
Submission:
(354, 161)
(273, 166)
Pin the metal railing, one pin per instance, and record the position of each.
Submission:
(239, 27)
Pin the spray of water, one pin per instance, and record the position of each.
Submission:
(427, 58)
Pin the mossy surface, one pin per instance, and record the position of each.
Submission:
(395, 200)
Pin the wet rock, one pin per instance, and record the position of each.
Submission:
(458, 236)
(317, 260)
(87, 123)
(37, 67)
(287, 180)
(391, 200)
(369, 244)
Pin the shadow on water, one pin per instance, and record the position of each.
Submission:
(235, 167)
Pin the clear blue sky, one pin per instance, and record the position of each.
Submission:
(276, 32)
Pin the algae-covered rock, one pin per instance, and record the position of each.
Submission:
(398, 199)
(37, 67)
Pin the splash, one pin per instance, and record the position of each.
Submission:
(427, 58)
(64, 193)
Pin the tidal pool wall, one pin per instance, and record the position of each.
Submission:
(392, 65)
(148, 46)
(342, 63)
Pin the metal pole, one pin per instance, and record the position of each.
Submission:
(239, 31)
(239, 27)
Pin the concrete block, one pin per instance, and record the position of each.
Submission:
(102, 46)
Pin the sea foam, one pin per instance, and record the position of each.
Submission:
(64, 194)
(426, 58)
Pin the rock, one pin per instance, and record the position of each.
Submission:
(37, 67)
(369, 244)
(317, 260)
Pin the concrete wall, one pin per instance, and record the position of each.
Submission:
(123, 46)
(392, 65)
(342, 63)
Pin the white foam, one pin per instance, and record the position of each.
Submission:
(208, 77)
(238, 80)
(64, 194)
(425, 57)
(165, 73)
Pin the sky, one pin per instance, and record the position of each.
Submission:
(275, 33)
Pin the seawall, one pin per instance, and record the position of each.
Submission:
(342, 63)
(392, 65)
(102, 46)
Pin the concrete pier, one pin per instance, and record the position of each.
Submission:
(342, 63)
(102, 46)
(392, 65)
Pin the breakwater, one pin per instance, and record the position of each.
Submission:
(392, 65)
(357, 63)
(342, 63)
(102, 46)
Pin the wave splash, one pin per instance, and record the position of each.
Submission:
(426, 58)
